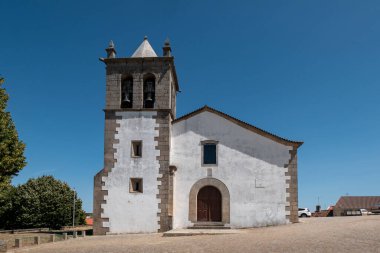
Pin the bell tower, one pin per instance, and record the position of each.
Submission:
(132, 192)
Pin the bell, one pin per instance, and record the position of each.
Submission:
(149, 97)
(126, 99)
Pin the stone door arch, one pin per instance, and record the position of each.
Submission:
(225, 198)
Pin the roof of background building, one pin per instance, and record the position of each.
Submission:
(357, 202)
(144, 50)
(89, 221)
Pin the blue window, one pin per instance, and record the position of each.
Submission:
(209, 153)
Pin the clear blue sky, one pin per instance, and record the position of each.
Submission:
(305, 70)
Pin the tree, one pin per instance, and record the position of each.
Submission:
(6, 193)
(12, 158)
(44, 202)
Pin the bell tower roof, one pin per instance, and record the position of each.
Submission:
(144, 50)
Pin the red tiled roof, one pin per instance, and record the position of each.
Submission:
(89, 221)
(357, 202)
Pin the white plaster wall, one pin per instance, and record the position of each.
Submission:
(250, 165)
(133, 212)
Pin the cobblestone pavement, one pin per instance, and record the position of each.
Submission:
(338, 234)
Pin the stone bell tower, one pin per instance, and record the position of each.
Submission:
(133, 192)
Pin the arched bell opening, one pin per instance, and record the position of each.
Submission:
(127, 92)
(149, 91)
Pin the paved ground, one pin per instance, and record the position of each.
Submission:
(338, 234)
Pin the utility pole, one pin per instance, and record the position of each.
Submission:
(74, 209)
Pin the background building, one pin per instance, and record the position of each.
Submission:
(351, 205)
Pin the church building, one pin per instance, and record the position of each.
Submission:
(204, 169)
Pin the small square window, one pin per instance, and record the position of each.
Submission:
(209, 153)
(136, 147)
(136, 185)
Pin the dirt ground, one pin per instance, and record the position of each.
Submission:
(336, 234)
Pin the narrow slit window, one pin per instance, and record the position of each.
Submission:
(136, 148)
(136, 185)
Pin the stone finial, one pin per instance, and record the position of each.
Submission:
(111, 52)
(166, 48)
(167, 42)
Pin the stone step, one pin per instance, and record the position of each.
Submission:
(209, 225)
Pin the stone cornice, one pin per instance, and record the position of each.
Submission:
(138, 110)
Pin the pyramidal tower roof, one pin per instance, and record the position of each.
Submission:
(144, 50)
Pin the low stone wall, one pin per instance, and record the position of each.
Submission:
(20, 241)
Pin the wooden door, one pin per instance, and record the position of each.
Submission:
(209, 204)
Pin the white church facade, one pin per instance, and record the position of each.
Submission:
(204, 169)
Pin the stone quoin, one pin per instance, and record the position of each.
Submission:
(204, 168)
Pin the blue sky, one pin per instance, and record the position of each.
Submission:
(304, 70)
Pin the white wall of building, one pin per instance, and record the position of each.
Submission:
(250, 165)
(133, 212)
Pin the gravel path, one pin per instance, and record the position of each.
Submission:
(338, 234)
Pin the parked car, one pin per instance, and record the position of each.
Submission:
(304, 212)
(365, 211)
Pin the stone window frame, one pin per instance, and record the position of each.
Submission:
(132, 148)
(132, 180)
(216, 152)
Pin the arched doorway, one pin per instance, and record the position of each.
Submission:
(209, 204)
(193, 196)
